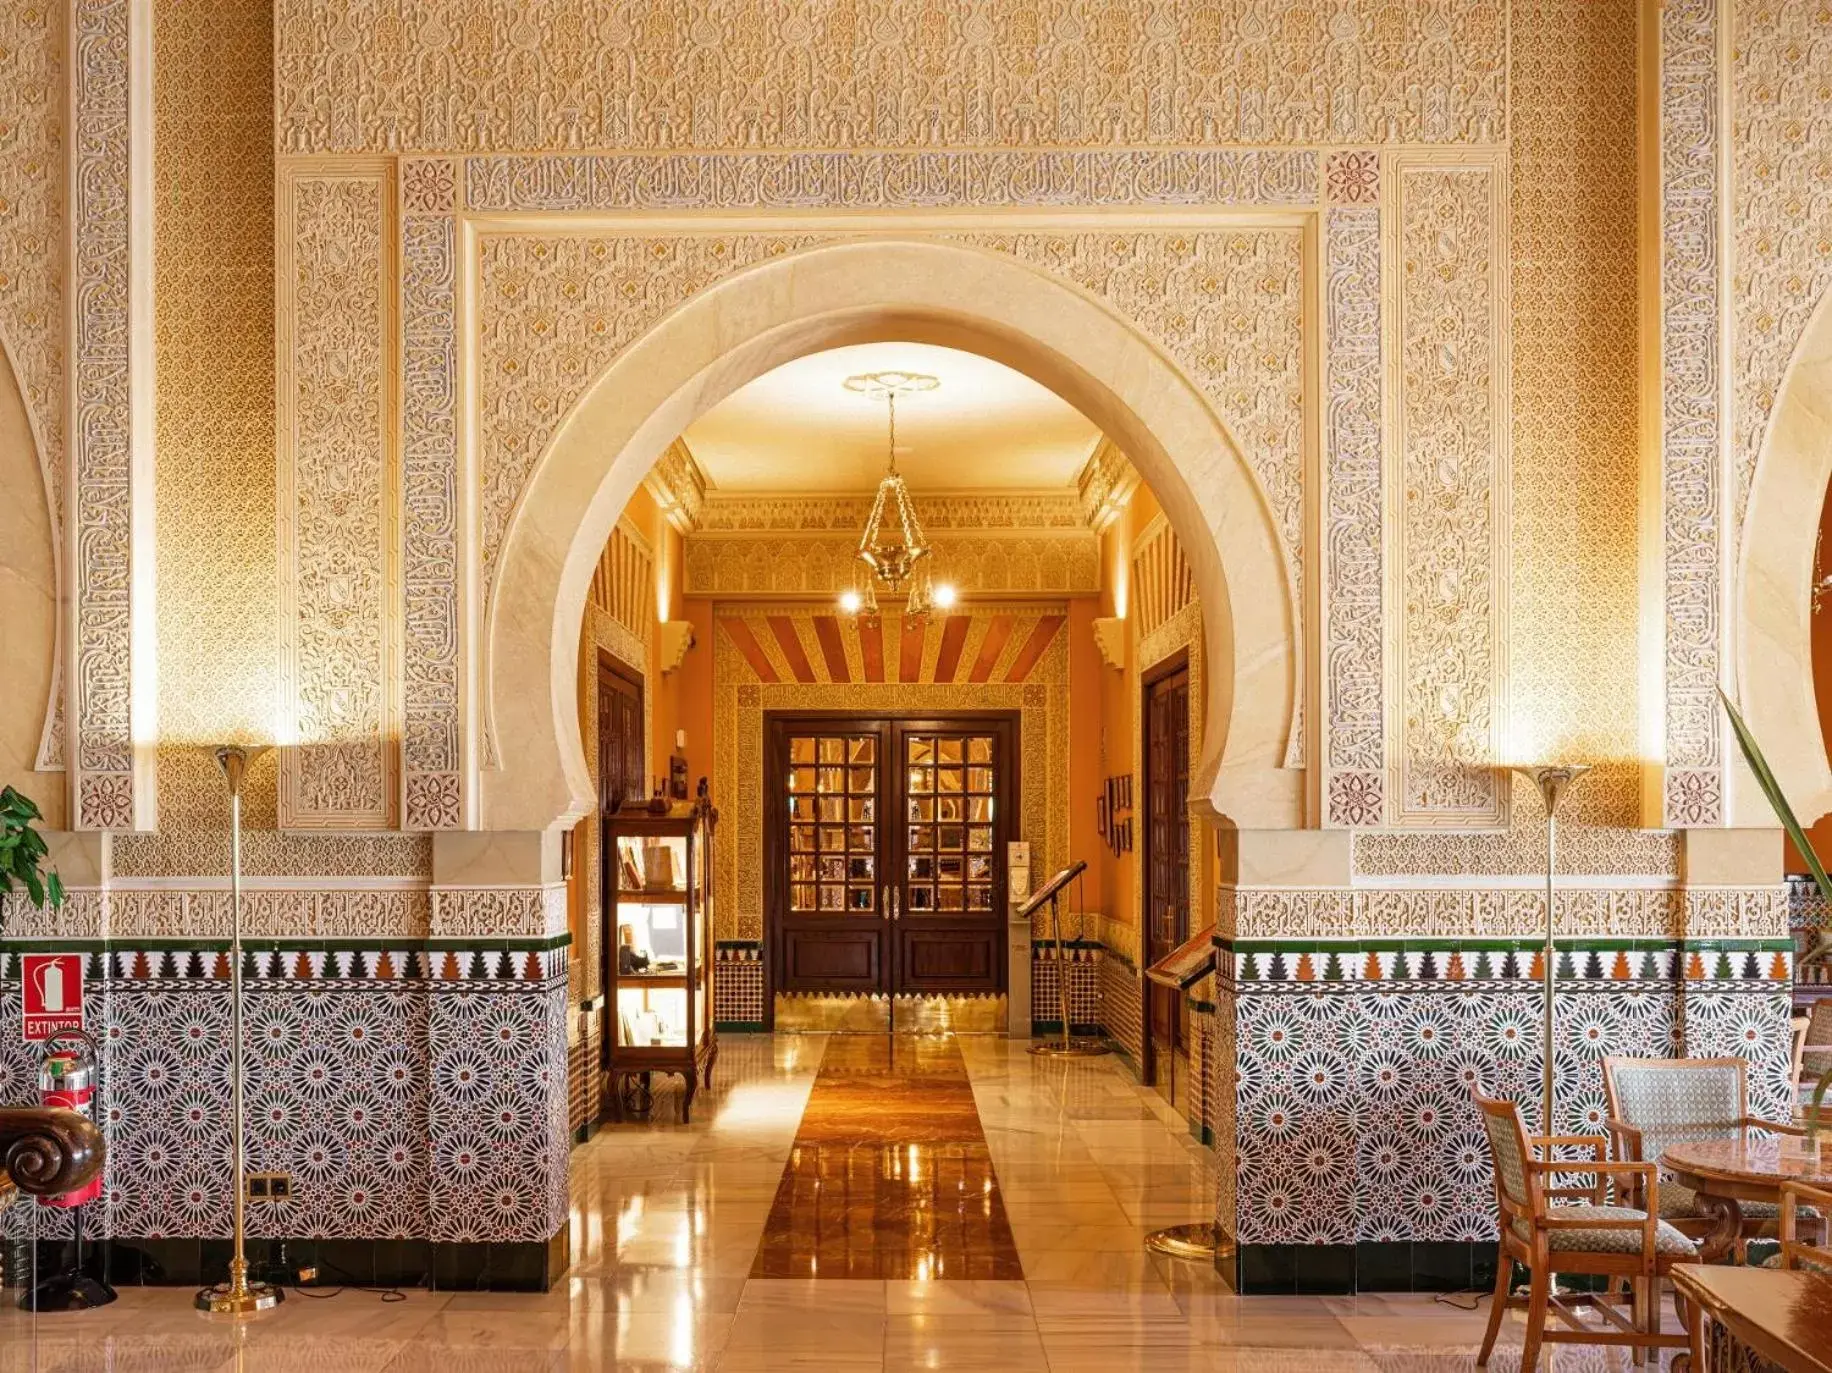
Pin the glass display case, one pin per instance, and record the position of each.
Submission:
(658, 951)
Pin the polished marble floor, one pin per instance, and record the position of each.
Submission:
(669, 1223)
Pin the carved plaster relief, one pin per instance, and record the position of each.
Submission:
(387, 76)
(1449, 555)
(554, 311)
(1447, 912)
(1024, 561)
(1354, 666)
(432, 762)
(1781, 142)
(1694, 499)
(110, 401)
(338, 533)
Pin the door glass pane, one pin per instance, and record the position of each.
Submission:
(949, 817)
(833, 791)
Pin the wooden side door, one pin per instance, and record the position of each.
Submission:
(1167, 839)
(957, 779)
(620, 741)
(825, 844)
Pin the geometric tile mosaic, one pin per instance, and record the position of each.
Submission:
(409, 1102)
(1355, 1066)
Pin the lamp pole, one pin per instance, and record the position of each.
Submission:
(238, 1296)
(1552, 781)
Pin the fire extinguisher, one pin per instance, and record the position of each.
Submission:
(67, 1079)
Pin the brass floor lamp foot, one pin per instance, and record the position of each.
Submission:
(1203, 1240)
(251, 1300)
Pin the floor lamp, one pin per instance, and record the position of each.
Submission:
(1552, 781)
(238, 1296)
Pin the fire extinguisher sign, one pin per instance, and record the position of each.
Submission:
(53, 993)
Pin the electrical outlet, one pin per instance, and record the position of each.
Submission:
(266, 1187)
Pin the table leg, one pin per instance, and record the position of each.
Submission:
(1726, 1227)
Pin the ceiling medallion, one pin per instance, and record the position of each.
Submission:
(892, 546)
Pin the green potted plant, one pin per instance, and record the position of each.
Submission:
(23, 852)
(1777, 799)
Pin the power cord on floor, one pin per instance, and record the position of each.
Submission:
(1474, 1303)
(389, 1293)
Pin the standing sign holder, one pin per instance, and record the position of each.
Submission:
(67, 1080)
(1182, 968)
(1069, 1046)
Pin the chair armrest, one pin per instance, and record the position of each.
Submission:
(1626, 1135)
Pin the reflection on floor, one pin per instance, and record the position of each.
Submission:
(890, 1176)
(667, 1224)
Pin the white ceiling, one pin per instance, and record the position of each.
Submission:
(799, 429)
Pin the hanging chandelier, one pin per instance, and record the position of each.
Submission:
(895, 551)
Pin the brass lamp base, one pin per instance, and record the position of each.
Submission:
(1201, 1241)
(253, 1298)
(1075, 1048)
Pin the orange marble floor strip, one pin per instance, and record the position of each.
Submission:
(890, 1176)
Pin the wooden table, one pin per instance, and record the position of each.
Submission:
(1728, 1172)
(1783, 1317)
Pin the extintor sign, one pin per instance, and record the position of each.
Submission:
(53, 993)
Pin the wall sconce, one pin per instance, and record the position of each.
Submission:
(1110, 639)
(672, 640)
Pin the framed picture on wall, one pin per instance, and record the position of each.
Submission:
(1100, 815)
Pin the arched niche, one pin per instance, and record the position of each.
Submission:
(858, 292)
(28, 590)
(1774, 602)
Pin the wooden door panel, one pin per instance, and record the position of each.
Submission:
(939, 960)
(955, 780)
(1166, 840)
(832, 960)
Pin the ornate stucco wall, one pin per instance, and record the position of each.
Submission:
(1391, 247)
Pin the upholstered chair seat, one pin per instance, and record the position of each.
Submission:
(1615, 1238)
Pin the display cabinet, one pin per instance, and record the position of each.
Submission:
(658, 952)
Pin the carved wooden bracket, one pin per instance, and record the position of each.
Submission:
(48, 1151)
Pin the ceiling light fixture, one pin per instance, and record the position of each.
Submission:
(892, 545)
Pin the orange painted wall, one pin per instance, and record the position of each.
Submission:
(1087, 719)
(693, 703)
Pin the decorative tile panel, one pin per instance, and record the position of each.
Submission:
(392, 1130)
(1356, 1060)
(338, 537)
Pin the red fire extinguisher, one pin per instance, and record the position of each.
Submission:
(66, 1078)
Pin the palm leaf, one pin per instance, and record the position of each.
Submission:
(1777, 799)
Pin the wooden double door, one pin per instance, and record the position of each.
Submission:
(885, 841)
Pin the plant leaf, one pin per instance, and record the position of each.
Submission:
(1777, 799)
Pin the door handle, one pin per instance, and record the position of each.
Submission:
(896, 902)
(884, 900)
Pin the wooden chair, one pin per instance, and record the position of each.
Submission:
(1815, 1051)
(1796, 1198)
(1655, 1103)
(1583, 1235)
